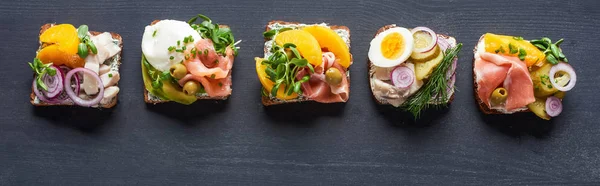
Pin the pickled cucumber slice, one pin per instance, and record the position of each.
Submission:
(539, 108)
(423, 57)
(424, 69)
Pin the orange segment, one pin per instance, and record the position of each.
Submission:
(61, 46)
(306, 44)
(327, 38)
(495, 42)
(268, 84)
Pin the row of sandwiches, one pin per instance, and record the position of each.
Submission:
(412, 69)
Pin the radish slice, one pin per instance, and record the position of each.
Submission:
(424, 47)
(553, 106)
(566, 68)
(402, 77)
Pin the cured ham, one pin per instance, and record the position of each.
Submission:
(493, 70)
(213, 87)
(317, 89)
(210, 69)
(207, 62)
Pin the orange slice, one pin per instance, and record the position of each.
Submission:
(330, 40)
(60, 43)
(305, 42)
(268, 84)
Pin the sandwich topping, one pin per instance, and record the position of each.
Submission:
(184, 60)
(513, 74)
(413, 69)
(305, 62)
(74, 66)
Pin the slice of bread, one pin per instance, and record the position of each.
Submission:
(268, 100)
(149, 98)
(111, 103)
(370, 65)
(482, 106)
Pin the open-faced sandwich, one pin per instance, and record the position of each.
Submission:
(305, 62)
(515, 75)
(75, 66)
(185, 61)
(412, 69)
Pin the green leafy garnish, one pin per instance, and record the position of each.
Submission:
(522, 54)
(221, 37)
(512, 49)
(85, 44)
(435, 90)
(518, 38)
(40, 70)
(282, 69)
(552, 50)
(269, 34)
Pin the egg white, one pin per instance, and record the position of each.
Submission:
(377, 57)
(159, 37)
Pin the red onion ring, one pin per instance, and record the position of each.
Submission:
(443, 43)
(431, 45)
(78, 78)
(564, 67)
(402, 77)
(553, 106)
(54, 83)
(43, 97)
(76, 99)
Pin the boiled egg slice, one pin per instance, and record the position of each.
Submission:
(159, 37)
(391, 47)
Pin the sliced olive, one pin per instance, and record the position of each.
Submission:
(191, 88)
(499, 96)
(333, 76)
(178, 71)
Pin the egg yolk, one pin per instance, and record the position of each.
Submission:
(391, 46)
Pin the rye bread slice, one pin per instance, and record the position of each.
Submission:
(370, 65)
(268, 101)
(482, 106)
(110, 104)
(204, 97)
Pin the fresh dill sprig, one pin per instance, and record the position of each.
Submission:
(435, 90)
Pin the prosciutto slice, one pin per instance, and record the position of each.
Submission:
(209, 68)
(207, 62)
(493, 70)
(318, 90)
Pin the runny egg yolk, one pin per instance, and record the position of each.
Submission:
(391, 46)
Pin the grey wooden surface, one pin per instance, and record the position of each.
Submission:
(239, 142)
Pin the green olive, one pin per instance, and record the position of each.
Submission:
(178, 71)
(191, 88)
(333, 76)
(499, 96)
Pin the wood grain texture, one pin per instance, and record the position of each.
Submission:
(239, 142)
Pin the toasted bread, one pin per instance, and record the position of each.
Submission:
(157, 100)
(482, 106)
(267, 100)
(111, 103)
(370, 65)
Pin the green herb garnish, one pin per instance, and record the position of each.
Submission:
(522, 54)
(269, 34)
(85, 44)
(552, 50)
(171, 48)
(435, 90)
(40, 70)
(282, 69)
(221, 37)
(154, 33)
(110, 75)
(512, 49)
(518, 38)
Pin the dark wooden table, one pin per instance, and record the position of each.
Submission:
(239, 142)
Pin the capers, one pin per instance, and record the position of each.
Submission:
(191, 88)
(178, 71)
(499, 96)
(333, 76)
